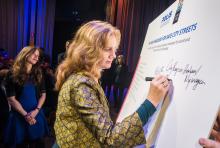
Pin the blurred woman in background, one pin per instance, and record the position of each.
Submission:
(26, 94)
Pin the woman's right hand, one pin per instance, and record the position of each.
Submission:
(159, 87)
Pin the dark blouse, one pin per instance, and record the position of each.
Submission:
(14, 89)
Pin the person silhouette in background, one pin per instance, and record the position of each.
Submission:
(26, 94)
(120, 81)
(107, 79)
(4, 106)
(62, 55)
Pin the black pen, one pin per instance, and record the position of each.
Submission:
(151, 78)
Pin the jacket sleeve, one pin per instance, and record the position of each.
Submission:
(10, 85)
(129, 132)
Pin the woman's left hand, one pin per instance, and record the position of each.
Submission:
(34, 113)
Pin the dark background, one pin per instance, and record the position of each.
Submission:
(69, 15)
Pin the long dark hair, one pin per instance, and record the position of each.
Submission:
(19, 68)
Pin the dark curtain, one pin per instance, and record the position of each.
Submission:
(132, 18)
(26, 22)
(8, 25)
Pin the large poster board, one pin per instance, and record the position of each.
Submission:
(183, 43)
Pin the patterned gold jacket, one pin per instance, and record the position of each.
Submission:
(83, 119)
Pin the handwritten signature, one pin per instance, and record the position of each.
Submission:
(190, 73)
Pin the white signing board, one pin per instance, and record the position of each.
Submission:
(183, 43)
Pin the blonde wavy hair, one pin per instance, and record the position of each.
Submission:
(19, 68)
(84, 52)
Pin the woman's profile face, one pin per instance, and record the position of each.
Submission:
(120, 60)
(34, 57)
(108, 53)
